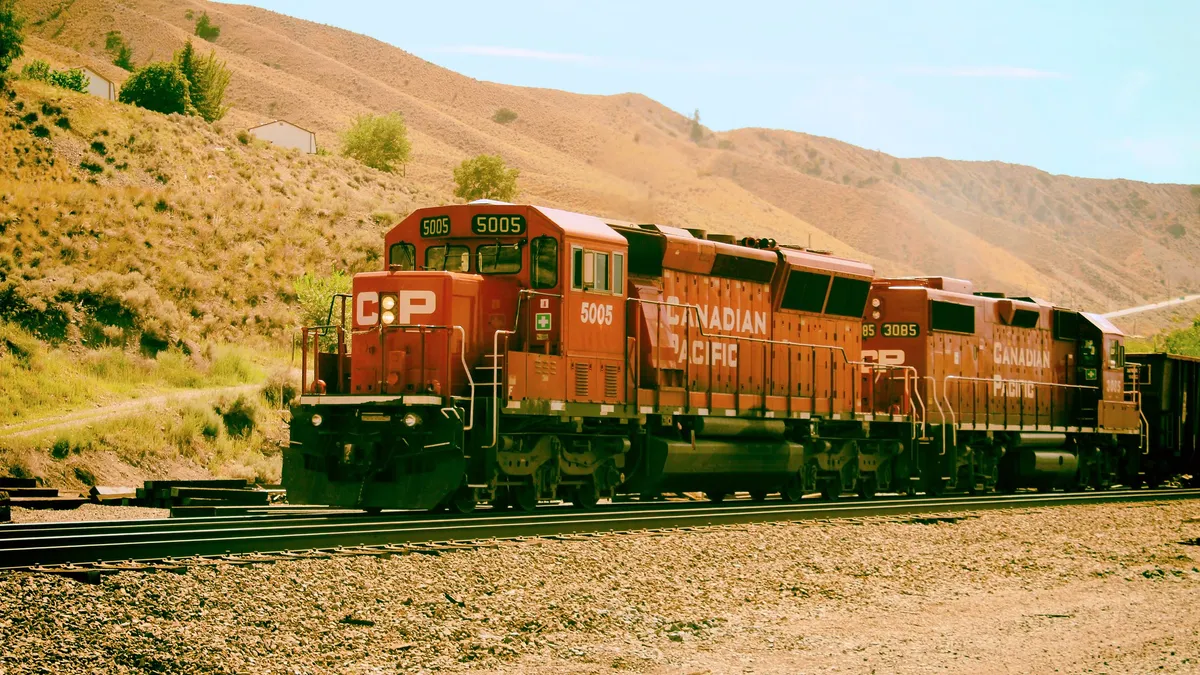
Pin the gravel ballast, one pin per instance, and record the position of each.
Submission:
(1105, 589)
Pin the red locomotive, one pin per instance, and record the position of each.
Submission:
(513, 353)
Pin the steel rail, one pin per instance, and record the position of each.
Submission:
(256, 536)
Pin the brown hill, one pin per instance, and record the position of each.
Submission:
(1096, 243)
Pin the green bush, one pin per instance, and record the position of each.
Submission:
(379, 141)
(206, 29)
(122, 53)
(160, 87)
(313, 294)
(11, 37)
(239, 415)
(485, 177)
(207, 79)
(39, 70)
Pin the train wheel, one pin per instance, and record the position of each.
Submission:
(793, 491)
(463, 501)
(831, 489)
(935, 487)
(715, 497)
(585, 496)
(758, 495)
(866, 487)
(524, 498)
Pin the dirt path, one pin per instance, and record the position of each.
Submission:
(79, 418)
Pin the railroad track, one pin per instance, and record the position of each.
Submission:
(88, 550)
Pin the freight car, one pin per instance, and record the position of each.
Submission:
(1019, 393)
(513, 353)
(1169, 386)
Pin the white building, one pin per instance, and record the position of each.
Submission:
(287, 135)
(98, 85)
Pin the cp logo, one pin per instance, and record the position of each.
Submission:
(408, 305)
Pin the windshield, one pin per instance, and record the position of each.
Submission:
(448, 258)
(498, 258)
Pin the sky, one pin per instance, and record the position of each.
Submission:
(1088, 88)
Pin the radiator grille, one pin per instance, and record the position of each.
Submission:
(612, 381)
(583, 380)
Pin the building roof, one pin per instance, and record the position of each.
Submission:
(290, 124)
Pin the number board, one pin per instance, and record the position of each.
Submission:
(900, 330)
(868, 331)
(436, 226)
(497, 224)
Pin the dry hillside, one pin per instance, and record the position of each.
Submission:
(1100, 244)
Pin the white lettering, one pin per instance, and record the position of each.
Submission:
(365, 300)
(408, 305)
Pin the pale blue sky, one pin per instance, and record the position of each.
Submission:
(1098, 89)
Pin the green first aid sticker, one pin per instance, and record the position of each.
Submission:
(542, 321)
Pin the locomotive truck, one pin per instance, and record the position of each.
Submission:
(509, 354)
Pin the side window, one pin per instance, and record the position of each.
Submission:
(618, 280)
(544, 259)
(577, 268)
(402, 256)
(601, 265)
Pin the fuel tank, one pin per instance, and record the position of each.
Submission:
(719, 464)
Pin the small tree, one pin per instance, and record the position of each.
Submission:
(207, 78)
(11, 37)
(379, 141)
(122, 53)
(486, 177)
(160, 87)
(206, 29)
(37, 70)
(72, 79)
(697, 133)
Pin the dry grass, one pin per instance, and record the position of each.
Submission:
(1092, 243)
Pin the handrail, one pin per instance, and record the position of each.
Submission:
(496, 386)
(786, 343)
(941, 413)
(462, 356)
(953, 417)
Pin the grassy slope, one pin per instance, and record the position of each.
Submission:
(1101, 244)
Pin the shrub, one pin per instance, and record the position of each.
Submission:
(1176, 230)
(313, 294)
(243, 137)
(280, 390)
(62, 123)
(239, 416)
(485, 177)
(207, 79)
(122, 53)
(379, 141)
(41, 131)
(206, 29)
(91, 166)
(72, 79)
(37, 70)
(10, 36)
(160, 87)
(504, 116)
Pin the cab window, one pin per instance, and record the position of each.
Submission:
(402, 256)
(590, 270)
(618, 284)
(543, 258)
(448, 258)
(498, 258)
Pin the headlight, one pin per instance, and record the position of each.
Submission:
(389, 317)
(316, 420)
(875, 315)
(411, 420)
(875, 302)
(388, 302)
